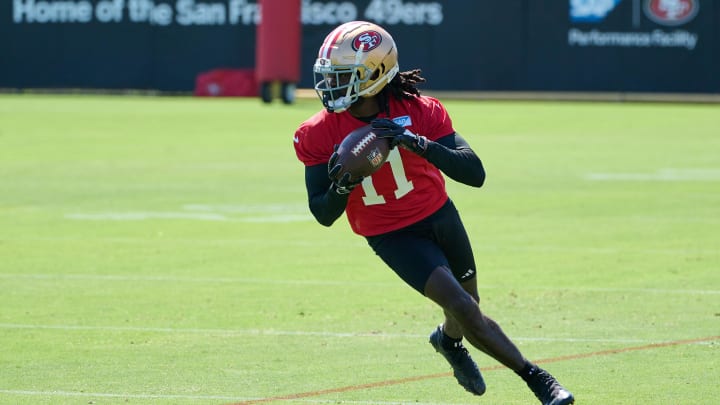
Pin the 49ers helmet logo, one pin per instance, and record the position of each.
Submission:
(367, 40)
(671, 12)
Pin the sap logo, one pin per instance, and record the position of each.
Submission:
(591, 10)
(403, 121)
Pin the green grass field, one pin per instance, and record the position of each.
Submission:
(159, 251)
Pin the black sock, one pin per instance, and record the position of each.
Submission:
(528, 371)
(450, 343)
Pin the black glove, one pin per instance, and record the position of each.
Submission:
(386, 128)
(343, 184)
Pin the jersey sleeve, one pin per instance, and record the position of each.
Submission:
(311, 147)
(436, 122)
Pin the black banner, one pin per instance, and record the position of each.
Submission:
(559, 45)
(624, 45)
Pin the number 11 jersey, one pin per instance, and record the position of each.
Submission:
(407, 188)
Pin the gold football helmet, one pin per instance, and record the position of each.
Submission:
(357, 59)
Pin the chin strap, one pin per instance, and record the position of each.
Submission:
(339, 105)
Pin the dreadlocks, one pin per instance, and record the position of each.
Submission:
(402, 86)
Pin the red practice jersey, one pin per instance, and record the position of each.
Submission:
(407, 188)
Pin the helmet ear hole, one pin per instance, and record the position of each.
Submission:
(375, 74)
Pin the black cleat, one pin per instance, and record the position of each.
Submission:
(464, 368)
(548, 390)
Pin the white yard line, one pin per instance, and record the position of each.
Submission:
(260, 213)
(144, 215)
(270, 208)
(200, 216)
(272, 332)
(244, 280)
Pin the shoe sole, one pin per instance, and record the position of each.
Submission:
(565, 401)
(461, 380)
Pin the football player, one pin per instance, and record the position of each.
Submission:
(403, 209)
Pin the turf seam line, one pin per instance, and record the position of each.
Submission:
(385, 383)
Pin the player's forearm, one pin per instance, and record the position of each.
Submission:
(328, 207)
(325, 203)
(461, 165)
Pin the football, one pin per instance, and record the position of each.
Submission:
(362, 153)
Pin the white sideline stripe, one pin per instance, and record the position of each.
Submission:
(240, 280)
(271, 332)
(56, 393)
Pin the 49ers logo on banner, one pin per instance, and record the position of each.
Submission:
(367, 40)
(671, 12)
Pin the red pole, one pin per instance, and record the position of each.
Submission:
(277, 51)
